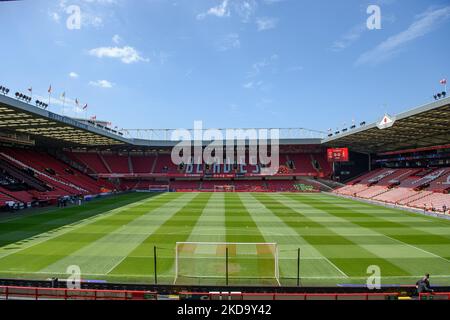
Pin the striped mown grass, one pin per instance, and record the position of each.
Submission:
(113, 239)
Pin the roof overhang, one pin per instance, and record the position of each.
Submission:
(427, 125)
(19, 117)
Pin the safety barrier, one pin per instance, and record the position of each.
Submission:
(435, 296)
(287, 296)
(32, 293)
(28, 293)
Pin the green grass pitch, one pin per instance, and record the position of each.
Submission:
(112, 239)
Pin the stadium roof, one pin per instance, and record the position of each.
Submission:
(425, 126)
(20, 117)
(428, 125)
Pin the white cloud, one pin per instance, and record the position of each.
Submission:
(349, 38)
(245, 9)
(230, 41)
(93, 12)
(116, 39)
(125, 54)
(73, 75)
(266, 23)
(252, 84)
(423, 24)
(222, 10)
(259, 66)
(242, 8)
(55, 16)
(101, 84)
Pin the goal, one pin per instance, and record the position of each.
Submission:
(226, 262)
(224, 188)
(159, 188)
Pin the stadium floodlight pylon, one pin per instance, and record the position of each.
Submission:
(237, 261)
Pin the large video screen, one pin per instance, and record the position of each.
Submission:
(338, 155)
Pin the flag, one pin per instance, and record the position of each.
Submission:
(443, 81)
(50, 89)
(77, 102)
(30, 89)
(85, 106)
(63, 95)
(94, 118)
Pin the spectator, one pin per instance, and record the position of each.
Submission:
(423, 285)
(444, 208)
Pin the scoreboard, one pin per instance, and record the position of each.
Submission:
(338, 155)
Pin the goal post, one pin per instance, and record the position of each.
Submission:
(241, 263)
(159, 188)
(224, 188)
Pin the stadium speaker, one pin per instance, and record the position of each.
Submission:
(330, 135)
(443, 94)
(353, 127)
(362, 123)
(17, 95)
(439, 95)
(435, 97)
(4, 90)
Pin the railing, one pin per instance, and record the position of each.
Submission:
(166, 134)
(435, 296)
(288, 296)
(28, 293)
(32, 293)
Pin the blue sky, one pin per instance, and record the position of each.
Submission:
(229, 63)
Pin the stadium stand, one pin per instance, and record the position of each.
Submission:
(142, 164)
(116, 163)
(409, 164)
(418, 188)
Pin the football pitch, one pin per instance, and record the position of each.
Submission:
(113, 239)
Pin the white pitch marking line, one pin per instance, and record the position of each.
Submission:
(420, 249)
(404, 243)
(55, 233)
(146, 276)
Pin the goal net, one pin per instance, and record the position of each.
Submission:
(237, 263)
(159, 188)
(224, 188)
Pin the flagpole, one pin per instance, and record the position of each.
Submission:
(49, 94)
